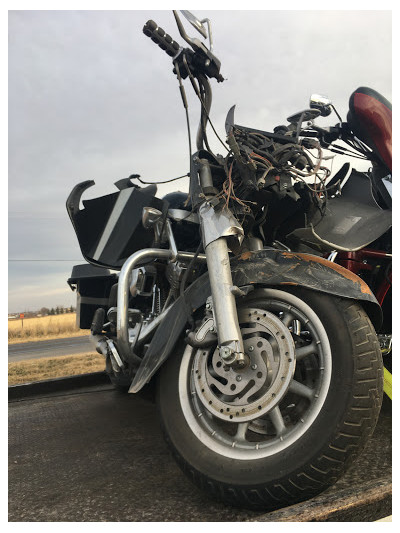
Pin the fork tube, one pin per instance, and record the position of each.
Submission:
(219, 269)
(224, 304)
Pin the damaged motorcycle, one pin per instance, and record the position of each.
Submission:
(253, 302)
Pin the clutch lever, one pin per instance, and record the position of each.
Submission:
(192, 41)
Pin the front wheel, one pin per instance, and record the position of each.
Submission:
(284, 428)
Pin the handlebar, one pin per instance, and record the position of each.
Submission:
(158, 35)
(200, 60)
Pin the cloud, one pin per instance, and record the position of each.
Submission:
(90, 97)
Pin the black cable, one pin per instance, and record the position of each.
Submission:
(204, 119)
(186, 273)
(266, 155)
(204, 106)
(135, 176)
(337, 114)
(348, 152)
(184, 280)
(298, 129)
(185, 105)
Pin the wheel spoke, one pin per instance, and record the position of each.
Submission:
(301, 390)
(287, 319)
(241, 432)
(272, 403)
(277, 420)
(306, 350)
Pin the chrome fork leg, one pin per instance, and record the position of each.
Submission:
(224, 304)
(216, 225)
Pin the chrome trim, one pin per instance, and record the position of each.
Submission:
(171, 240)
(150, 217)
(216, 224)
(181, 214)
(132, 262)
(195, 22)
(224, 304)
(123, 293)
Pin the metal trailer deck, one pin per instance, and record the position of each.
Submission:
(80, 451)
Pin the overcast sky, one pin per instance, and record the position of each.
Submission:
(90, 97)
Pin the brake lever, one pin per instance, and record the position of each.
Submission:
(205, 60)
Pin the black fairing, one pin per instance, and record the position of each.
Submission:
(350, 221)
(109, 228)
(186, 234)
(177, 200)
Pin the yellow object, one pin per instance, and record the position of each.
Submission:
(387, 382)
(386, 519)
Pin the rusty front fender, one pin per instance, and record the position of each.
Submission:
(271, 267)
(268, 268)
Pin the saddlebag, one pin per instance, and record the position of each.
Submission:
(93, 286)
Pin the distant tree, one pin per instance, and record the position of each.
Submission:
(44, 311)
(57, 311)
(52, 312)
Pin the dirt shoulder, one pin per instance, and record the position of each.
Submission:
(35, 338)
(54, 367)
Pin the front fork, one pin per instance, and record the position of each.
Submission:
(217, 226)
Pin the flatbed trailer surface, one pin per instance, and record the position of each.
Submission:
(80, 451)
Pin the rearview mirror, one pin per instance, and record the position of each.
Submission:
(322, 103)
(150, 217)
(195, 22)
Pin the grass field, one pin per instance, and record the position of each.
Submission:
(42, 328)
(54, 367)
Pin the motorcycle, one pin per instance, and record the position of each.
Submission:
(253, 302)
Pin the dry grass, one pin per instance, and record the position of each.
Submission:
(42, 328)
(54, 367)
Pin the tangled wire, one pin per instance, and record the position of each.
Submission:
(267, 156)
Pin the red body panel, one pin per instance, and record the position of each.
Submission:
(356, 262)
(376, 120)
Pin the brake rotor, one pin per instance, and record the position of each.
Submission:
(243, 395)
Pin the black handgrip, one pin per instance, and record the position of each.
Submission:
(158, 35)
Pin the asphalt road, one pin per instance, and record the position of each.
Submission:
(98, 455)
(48, 348)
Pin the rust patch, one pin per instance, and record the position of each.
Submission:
(245, 256)
(339, 269)
(290, 255)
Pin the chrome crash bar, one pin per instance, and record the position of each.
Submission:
(132, 262)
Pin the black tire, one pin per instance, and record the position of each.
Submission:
(317, 449)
